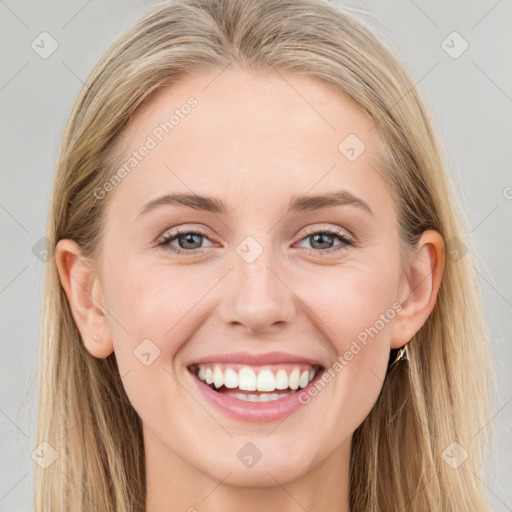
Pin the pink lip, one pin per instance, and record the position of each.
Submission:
(254, 412)
(257, 359)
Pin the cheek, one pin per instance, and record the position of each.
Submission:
(153, 309)
(356, 309)
(149, 319)
(153, 301)
(353, 304)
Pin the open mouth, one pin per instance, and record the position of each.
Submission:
(255, 383)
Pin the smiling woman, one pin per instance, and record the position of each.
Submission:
(258, 313)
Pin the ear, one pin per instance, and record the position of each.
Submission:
(84, 294)
(418, 291)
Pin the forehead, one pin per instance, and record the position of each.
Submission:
(232, 133)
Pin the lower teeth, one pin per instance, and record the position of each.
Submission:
(265, 397)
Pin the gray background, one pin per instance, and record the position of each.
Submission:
(471, 101)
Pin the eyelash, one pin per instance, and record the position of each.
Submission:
(337, 233)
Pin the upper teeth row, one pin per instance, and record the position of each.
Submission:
(247, 380)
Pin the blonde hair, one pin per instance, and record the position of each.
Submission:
(396, 461)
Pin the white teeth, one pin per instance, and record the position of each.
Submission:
(267, 397)
(218, 377)
(281, 380)
(266, 381)
(293, 379)
(230, 379)
(272, 396)
(247, 379)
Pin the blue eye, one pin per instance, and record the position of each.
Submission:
(188, 238)
(319, 238)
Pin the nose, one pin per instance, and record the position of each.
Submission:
(257, 296)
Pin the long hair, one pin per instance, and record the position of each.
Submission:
(440, 397)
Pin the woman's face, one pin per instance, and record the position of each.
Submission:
(261, 289)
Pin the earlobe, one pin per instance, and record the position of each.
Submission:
(422, 285)
(83, 291)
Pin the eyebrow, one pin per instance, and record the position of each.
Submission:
(297, 203)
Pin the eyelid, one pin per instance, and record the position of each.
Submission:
(205, 233)
(344, 236)
(335, 230)
(190, 228)
(346, 241)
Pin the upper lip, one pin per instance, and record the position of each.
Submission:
(256, 359)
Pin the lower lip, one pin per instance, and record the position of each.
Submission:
(254, 412)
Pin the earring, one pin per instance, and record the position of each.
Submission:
(96, 338)
(403, 354)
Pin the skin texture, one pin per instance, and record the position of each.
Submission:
(253, 142)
